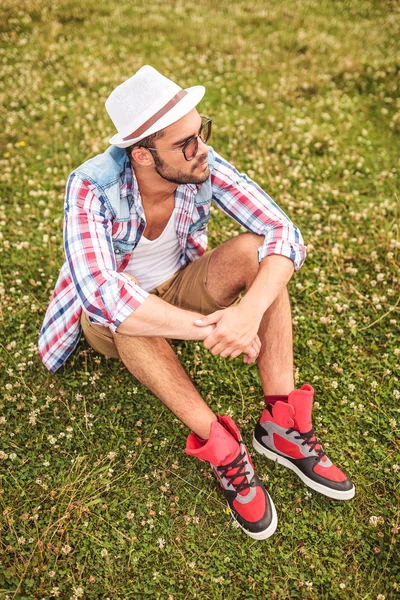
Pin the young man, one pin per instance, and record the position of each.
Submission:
(137, 273)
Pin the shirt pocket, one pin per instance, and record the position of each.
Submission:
(121, 248)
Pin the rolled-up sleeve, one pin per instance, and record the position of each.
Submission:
(107, 296)
(243, 200)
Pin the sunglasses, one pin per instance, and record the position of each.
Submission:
(191, 145)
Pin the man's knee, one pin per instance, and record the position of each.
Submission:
(247, 252)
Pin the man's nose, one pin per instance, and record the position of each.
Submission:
(202, 147)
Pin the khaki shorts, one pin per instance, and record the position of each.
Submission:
(186, 289)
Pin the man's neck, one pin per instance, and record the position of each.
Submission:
(153, 188)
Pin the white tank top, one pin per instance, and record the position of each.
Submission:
(154, 261)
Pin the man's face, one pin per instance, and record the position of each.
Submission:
(173, 166)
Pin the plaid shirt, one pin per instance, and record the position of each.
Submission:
(98, 246)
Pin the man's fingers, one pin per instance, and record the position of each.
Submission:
(225, 348)
(210, 341)
(219, 349)
(228, 352)
(251, 353)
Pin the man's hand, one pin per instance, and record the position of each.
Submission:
(235, 333)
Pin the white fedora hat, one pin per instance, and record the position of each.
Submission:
(146, 103)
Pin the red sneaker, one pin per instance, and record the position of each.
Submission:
(284, 433)
(249, 503)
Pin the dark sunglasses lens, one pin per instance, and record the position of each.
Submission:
(191, 149)
(206, 132)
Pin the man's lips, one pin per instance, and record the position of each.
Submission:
(203, 164)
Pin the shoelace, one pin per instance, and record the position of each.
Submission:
(307, 437)
(238, 463)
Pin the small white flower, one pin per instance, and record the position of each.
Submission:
(375, 521)
(308, 584)
(104, 553)
(130, 515)
(161, 543)
(342, 586)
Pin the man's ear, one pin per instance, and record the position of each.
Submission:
(142, 156)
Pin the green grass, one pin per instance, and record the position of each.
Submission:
(97, 498)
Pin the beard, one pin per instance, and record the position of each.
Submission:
(176, 175)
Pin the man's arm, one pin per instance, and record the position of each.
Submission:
(282, 252)
(104, 294)
(157, 318)
(273, 275)
(244, 201)
(112, 298)
(236, 326)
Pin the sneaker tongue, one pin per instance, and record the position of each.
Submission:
(302, 400)
(229, 447)
(230, 452)
(220, 449)
(232, 449)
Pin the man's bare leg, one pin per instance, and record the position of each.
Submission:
(233, 268)
(154, 363)
(275, 361)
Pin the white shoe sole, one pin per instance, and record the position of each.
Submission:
(317, 487)
(261, 535)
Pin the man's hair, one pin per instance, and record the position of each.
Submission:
(147, 142)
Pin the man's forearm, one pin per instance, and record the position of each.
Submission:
(273, 275)
(157, 318)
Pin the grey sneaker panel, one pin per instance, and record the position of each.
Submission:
(268, 440)
(228, 486)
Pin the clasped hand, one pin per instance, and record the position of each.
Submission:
(234, 333)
